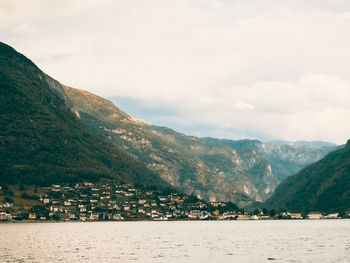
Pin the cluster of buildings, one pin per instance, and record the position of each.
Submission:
(114, 201)
(311, 215)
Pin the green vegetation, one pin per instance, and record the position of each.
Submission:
(16, 194)
(42, 142)
(323, 186)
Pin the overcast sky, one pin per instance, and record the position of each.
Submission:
(265, 69)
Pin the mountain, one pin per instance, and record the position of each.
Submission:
(187, 163)
(213, 169)
(286, 158)
(43, 142)
(322, 186)
(53, 133)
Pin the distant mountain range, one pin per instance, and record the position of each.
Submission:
(322, 186)
(286, 158)
(54, 133)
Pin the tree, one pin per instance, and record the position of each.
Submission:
(272, 212)
(8, 199)
(231, 207)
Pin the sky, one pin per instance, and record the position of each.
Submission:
(258, 69)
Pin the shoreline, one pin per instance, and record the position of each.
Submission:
(99, 221)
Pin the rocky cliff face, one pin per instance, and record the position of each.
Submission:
(286, 158)
(289, 158)
(238, 171)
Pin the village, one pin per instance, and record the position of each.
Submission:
(112, 201)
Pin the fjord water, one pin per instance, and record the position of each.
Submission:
(209, 241)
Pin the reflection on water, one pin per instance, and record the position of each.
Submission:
(214, 241)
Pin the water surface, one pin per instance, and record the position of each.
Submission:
(201, 241)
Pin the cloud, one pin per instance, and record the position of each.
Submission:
(243, 106)
(277, 69)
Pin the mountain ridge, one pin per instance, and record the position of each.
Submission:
(230, 171)
(42, 142)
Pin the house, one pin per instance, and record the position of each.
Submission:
(54, 208)
(115, 206)
(32, 216)
(117, 217)
(296, 216)
(72, 216)
(314, 215)
(163, 198)
(94, 216)
(8, 205)
(8, 217)
(332, 216)
(194, 214)
(168, 215)
(2, 216)
(141, 202)
(230, 215)
(215, 204)
(175, 198)
(243, 217)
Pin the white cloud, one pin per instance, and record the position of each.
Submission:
(281, 68)
(243, 106)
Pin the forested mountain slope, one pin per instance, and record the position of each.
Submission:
(42, 141)
(322, 186)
